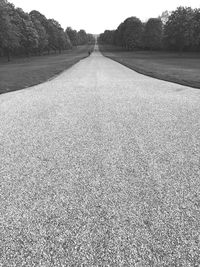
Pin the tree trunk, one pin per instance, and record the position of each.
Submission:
(27, 53)
(181, 50)
(8, 55)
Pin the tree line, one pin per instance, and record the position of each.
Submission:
(24, 33)
(178, 30)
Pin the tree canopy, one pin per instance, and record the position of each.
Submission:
(152, 36)
(178, 30)
(33, 33)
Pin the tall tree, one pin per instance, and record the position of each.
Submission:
(63, 40)
(107, 37)
(196, 30)
(133, 30)
(73, 36)
(119, 36)
(21, 32)
(29, 38)
(52, 30)
(42, 34)
(9, 34)
(153, 34)
(90, 38)
(82, 37)
(178, 29)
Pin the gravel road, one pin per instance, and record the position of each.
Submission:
(100, 167)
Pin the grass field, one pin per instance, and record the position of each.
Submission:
(179, 68)
(24, 72)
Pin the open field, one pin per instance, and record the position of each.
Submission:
(174, 67)
(24, 72)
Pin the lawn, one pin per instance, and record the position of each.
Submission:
(24, 72)
(174, 67)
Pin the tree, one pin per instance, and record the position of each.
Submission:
(119, 36)
(107, 37)
(42, 34)
(73, 36)
(21, 32)
(52, 30)
(90, 38)
(63, 40)
(132, 35)
(128, 34)
(29, 38)
(153, 34)
(9, 34)
(82, 37)
(178, 30)
(47, 26)
(196, 30)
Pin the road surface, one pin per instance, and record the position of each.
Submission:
(100, 167)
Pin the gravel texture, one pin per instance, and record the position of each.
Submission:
(100, 167)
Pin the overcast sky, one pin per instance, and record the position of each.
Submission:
(97, 15)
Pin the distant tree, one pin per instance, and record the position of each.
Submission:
(9, 34)
(58, 39)
(46, 24)
(73, 36)
(107, 37)
(196, 30)
(82, 37)
(63, 40)
(68, 44)
(178, 30)
(128, 34)
(53, 35)
(119, 35)
(40, 17)
(153, 34)
(42, 34)
(29, 38)
(90, 38)
(23, 33)
(132, 35)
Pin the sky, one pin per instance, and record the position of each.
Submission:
(95, 16)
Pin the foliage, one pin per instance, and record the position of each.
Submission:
(41, 31)
(128, 34)
(178, 30)
(22, 33)
(72, 35)
(196, 30)
(132, 35)
(80, 37)
(152, 38)
(29, 38)
(9, 35)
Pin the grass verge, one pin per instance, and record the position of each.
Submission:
(182, 68)
(25, 72)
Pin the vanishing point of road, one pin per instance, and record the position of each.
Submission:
(100, 167)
